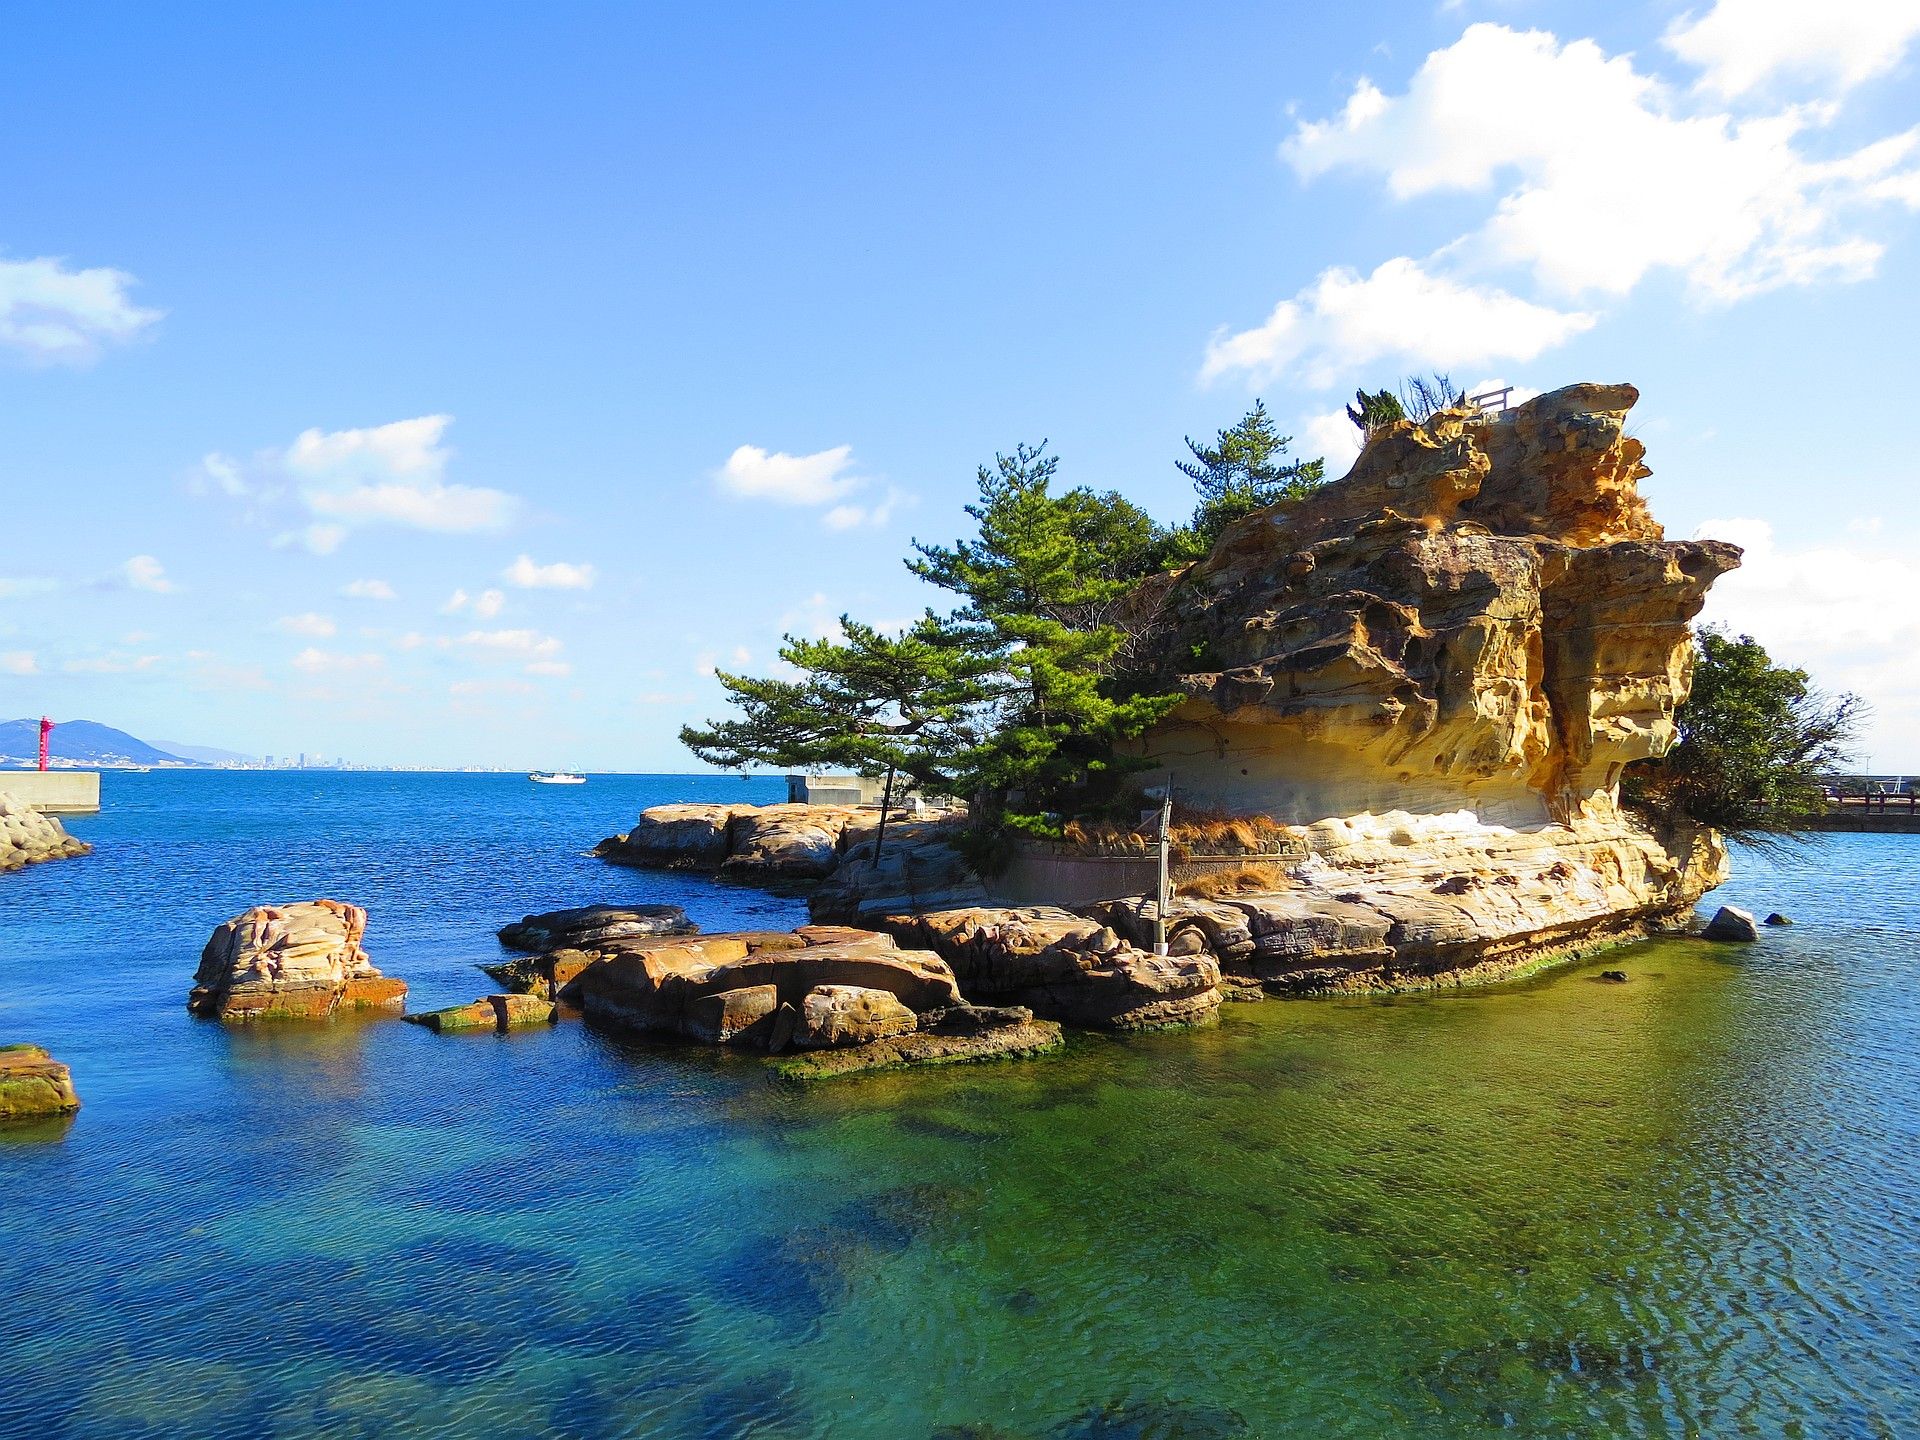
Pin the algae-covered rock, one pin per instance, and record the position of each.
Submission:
(34, 1085)
(489, 1012)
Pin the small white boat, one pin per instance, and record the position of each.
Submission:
(556, 777)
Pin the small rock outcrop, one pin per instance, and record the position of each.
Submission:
(489, 1012)
(27, 837)
(771, 844)
(34, 1085)
(1066, 967)
(1730, 922)
(592, 927)
(301, 961)
(1776, 918)
(832, 1015)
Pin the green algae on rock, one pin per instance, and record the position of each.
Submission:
(34, 1085)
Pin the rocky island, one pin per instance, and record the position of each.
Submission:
(1406, 701)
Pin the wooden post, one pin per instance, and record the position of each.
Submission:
(1163, 899)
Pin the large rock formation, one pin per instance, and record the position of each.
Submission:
(27, 837)
(1482, 616)
(301, 961)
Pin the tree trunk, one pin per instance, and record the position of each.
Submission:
(886, 804)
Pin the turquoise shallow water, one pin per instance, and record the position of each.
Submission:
(1683, 1206)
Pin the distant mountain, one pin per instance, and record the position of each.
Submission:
(205, 754)
(81, 742)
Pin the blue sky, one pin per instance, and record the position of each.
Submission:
(461, 383)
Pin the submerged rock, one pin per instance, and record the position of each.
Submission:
(1731, 923)
(27, 837)
(1776, 918)
(301, 961)
(34, 1085)
(594, 927)
(958, 1035)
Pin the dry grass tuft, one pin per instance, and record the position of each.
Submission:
(1240, 880)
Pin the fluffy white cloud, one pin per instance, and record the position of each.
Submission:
(19, 662)
(851, 516)
(392, 474)
(310, 624)
(524, 574)
(1744, 45)
(1844, 613)
(143, 572)
(1735, 205)
(1401, 312)
(816, 479)
(1334, 437)
(368, 590)
(54, 315)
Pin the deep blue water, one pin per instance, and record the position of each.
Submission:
(1683, 1206)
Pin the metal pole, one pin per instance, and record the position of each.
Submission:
(1160, 910)
(886, 804)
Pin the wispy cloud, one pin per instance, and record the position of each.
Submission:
(824, 478)
(524, 574)
(54, 315)
(143, 572)
(367, 590)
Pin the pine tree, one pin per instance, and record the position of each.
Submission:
(1245, 469)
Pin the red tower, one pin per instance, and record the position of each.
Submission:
(46, 729)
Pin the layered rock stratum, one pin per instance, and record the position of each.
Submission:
(302, 961)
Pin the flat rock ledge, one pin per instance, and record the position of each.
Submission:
(27, 837)
(34, 1085)
(498, 1013)
(291, 962)
(843, 1000)
(594, 927)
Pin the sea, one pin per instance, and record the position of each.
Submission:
(1687, 1205)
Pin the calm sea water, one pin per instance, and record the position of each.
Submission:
(1683, 1206)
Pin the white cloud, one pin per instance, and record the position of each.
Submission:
(21, 588)
(143, 572)
(1345, 321)
(529, 643)
(526, 575)
(1334, 437)
(314, 661)
(549, 667)
(54, 315)
(815, 479)
(1744, 45)
(368, 590)
(390, 474)
(851, 516)
(1843, 613)
(485, 605)
(18, 662)
(310, 624)
(1608, 176)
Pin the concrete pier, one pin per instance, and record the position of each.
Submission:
(55, 792)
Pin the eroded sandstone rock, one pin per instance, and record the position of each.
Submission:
(34, 1085)
(593, 927)
(838, 1015)
(301, 961)
(489, 1012)
(27, 837)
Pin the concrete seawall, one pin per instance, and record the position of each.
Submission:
(54, 792)
(1870, 822)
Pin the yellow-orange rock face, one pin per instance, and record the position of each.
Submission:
(1482, 615)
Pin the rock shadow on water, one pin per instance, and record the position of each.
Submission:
(1500, 1382)
(798, 1275)
(764, 1406)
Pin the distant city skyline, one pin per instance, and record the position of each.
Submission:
(473, 411)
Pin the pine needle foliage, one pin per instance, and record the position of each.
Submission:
(1755, 745)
